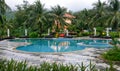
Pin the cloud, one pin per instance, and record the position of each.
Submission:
(73, 5)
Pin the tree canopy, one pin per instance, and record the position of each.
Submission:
(36, 18)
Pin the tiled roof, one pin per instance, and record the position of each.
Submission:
(68, 15)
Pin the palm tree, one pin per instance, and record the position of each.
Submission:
(99, 14)
(57, 13)
(38, 16)
(114, 14)
(3, 8)
(31, 17)
(80, 20)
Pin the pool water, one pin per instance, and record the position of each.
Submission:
(61, 44)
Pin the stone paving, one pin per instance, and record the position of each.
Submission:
(8, 51)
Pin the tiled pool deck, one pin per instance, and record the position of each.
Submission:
(8, 51)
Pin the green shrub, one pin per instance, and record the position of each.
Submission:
(22, 66)
(114, 34)
(112, 54)
(85, 34)
(79, 35)
(33, 35)
(100, 30)
(17, 35)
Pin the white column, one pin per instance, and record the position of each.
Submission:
(25, 32)
(107, 31)
(48, 31)
(8, 32)
(94, 31)
(67, 33)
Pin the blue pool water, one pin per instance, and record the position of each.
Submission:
(61, 44)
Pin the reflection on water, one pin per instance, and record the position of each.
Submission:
(61, 45)
(57, 47)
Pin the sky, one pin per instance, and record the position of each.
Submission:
(73, 5)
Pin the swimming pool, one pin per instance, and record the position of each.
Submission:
(61, 44)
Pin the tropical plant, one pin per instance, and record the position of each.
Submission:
(3, 8)
(114, 53)
(82, 19)
(114, 14)
(21, 19)
(99, 16)
(36, 18)
(57, 14)
(13, 65)
(39, 13)
(33, 17)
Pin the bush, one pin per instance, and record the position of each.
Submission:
(114, 34)
(18, 32)
(79, 35)
(85, 34)
(33, 35)
(17, 35)
(112, 55)
(22, 66)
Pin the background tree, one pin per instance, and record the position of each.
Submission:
(3, 8)
(37, 19)
(99, 15)
(32, 17)
(114, 14)
(57, 13)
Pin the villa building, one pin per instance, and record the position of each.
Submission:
(68, 19)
